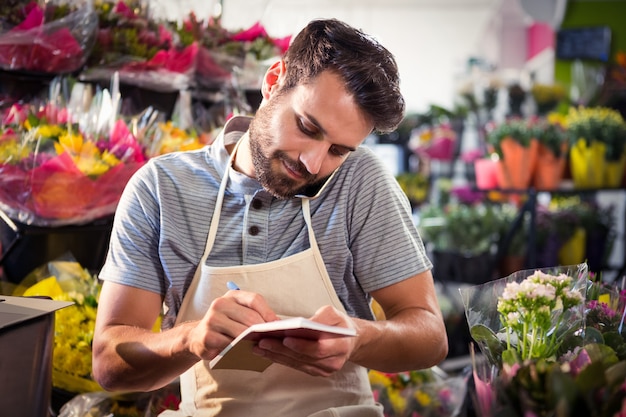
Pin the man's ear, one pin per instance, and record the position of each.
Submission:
(272, 78)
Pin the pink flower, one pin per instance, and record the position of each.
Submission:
(124, 10)
(484, 395)
(282, 43)
(256, 31)
(33, 19)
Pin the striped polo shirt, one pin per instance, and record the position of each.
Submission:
(362, 222)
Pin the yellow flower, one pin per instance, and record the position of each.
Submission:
(49, 131)
(86, 155)
(379, 378)
(422, 398)
(557, 119)
(12, 152)
(69, 142)
(110, 158)
(171, 138)
(398, 402)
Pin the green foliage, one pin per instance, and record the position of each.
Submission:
(520, 130)
(553, 136)
(471, 229)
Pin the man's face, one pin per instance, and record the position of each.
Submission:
(299, 138)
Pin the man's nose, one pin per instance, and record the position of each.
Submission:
(313, 157)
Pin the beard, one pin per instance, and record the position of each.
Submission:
(268, 166)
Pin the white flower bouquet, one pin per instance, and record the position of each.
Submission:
(527, 315)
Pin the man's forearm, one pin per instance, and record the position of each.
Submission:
(412, 339)
(141, 360)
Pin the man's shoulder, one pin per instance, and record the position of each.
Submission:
(363, 161)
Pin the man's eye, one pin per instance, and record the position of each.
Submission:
(338, 150)
(305, 130)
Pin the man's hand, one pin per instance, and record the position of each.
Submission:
(225, 319)
(321, 357)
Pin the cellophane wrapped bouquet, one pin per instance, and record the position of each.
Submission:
(237, 57)
(551, 342)
(424, 393)
(65, 163)
(143, 51)
(52, 36)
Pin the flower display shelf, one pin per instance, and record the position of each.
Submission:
(23, 247)
(529, 206)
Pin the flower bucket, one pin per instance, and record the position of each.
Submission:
(573, 250)
(517, 164)
(548, 170)
(453, 266)
(587, 164)
(485, 171)
(614, 172)
(596, 244)
(548, 253)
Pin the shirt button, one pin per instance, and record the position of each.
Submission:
(257, 204)
(253, 230)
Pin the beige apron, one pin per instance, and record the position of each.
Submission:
(294, 286)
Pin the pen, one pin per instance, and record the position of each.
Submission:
(232, 286)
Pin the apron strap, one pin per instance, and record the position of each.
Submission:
(306, 211)
(215, 219)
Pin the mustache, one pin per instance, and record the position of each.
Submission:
(296, 166)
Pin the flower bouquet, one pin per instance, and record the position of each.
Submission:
(223, 53)
(141, 50)
(435, 142)
(551, 155)
(528, 314)
(543, 358)
(59, 168)
(168, 137)
(427, 393)
(259, 50)
(135, 404)
(515, 142)
(547, 97)
(49, 37)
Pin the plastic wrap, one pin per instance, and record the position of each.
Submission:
(141, 50)
(487, 323)
(61, 166)
(427, 393)
(103, 404)
(41, 42)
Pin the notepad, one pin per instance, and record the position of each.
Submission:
(238, 354)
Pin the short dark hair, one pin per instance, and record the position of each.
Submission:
(368, 69)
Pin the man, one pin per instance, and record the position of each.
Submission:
(307, 223)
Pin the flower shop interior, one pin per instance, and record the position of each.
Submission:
(512, 153)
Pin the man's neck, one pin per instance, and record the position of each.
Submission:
(242, 161)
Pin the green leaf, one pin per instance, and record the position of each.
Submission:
(562, 391)
(486, 338)
(601, 353)
(591, 377)
(510, 357)
(593, 335)
(616, 374)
